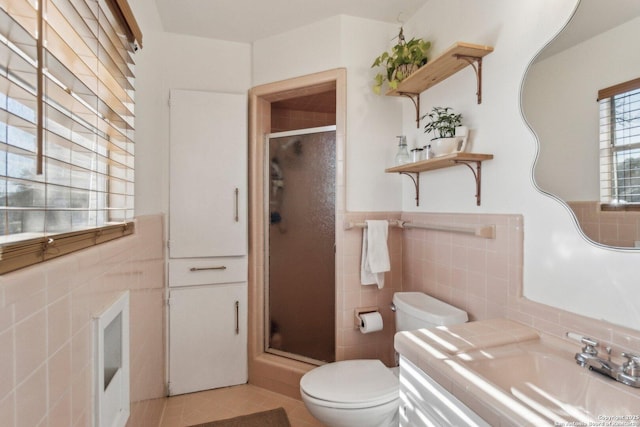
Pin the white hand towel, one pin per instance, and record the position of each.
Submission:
(375, 254)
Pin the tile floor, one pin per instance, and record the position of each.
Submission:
(194, 408)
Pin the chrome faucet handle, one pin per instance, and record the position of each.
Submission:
(589, 346)
(632, 366)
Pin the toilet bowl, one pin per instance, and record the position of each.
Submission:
(364, 392)
(352, 393)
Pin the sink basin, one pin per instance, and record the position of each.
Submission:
(546, 379)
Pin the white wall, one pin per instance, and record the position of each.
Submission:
(560, 268)
(174, 61)
(372, 121)
(560, 104)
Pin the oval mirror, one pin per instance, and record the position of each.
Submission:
(581, 97)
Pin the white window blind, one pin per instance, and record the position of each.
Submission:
(620, 144)
(66, 127)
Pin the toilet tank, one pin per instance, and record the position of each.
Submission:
(415, 310)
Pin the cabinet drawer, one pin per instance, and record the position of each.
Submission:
(206, 271)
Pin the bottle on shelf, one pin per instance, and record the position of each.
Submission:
(427, 153)
(402, 157)
(416, 155)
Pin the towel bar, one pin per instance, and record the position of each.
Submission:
(487, 231)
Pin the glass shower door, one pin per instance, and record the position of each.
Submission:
(300, 276)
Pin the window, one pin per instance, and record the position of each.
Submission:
(620, 145)
(66, 126)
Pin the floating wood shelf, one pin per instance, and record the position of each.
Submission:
(455, 159)
(454, 59)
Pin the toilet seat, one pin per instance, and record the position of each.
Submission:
(351, 384)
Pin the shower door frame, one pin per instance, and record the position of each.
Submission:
(266, 370)
(267, 284)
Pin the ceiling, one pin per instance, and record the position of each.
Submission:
(250, 20)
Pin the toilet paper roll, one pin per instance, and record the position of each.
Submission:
(370, 322)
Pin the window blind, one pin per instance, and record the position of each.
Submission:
(620, 144)
(66, 127)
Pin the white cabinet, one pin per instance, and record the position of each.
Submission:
(208, 337)
(424, 402)
(208, 174)
(207, 241)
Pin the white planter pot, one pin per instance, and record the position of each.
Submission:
(444, 146)
(455, 144)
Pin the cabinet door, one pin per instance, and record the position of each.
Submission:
(207, 337)
(424, 402)
(208, 174)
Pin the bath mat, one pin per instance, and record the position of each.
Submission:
(273, 418)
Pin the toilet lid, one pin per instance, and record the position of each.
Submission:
(351, 381)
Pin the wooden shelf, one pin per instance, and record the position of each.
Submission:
(440, 68)
(440, 162)
(449, 160)
(454, 59)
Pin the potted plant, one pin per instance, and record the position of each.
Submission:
(404, 58)
(443, 122)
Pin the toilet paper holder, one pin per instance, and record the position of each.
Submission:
(362, 310)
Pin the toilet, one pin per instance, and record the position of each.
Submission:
(364, 392)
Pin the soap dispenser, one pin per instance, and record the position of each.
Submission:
(403, 153)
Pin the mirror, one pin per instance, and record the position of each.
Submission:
(597, 49)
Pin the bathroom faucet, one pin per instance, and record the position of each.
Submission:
(627, 373)
(588, 352)
(630, 374)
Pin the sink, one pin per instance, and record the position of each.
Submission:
(543, 376)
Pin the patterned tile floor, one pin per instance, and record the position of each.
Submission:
(211, 405)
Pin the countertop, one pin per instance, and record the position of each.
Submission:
(442, 354)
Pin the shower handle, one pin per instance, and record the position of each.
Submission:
(237, 212)
(237, 317)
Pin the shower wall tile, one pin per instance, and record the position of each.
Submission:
(46, 339)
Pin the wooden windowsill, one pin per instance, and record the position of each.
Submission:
(630, 207)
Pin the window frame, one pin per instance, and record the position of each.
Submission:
(21, 249)
(608, 147)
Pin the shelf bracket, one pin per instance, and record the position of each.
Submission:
(472, 60)
(416, 183)
(477, 175)
(415, 98)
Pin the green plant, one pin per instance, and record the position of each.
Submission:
(442, 122)
(404, 58)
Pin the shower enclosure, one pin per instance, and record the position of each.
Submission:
(300, 244)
